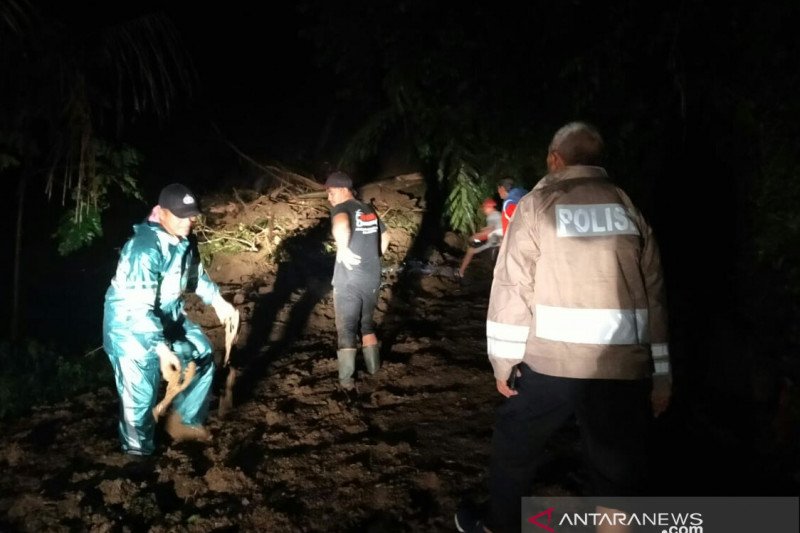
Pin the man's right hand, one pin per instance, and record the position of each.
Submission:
(346, 257)
(169, 362)
(661, 394)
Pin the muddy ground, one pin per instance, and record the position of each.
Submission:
(295, 453)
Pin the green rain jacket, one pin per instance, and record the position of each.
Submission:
(144, 301)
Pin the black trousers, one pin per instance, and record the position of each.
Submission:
(613, 416)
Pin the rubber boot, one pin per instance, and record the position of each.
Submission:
(347, 366)
(182, 432)
(372, 357)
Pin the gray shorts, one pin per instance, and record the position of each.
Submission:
(354, 306)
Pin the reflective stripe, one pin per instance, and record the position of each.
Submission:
(505, 349)
(592, 326)
(506, 341)
(134, 284)
(660, 349)
(661, 367)
(137, 296)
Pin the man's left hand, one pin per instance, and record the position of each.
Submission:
(504, 389)
(661, 394)
(223, 309)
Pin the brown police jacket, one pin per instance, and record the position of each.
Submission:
(578, 289)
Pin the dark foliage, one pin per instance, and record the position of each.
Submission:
(32, 373)
(695, 99)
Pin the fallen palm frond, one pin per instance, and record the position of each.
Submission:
(262, 236)
(16, 15)
(458, 170)
(403, 218)
(240, 238)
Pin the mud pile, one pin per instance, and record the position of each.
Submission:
(294, 454)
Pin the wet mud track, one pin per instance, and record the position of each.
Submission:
(296, 454)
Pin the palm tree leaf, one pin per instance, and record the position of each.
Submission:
(15, 15)
(366, 141)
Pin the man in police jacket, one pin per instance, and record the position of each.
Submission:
(577, 325)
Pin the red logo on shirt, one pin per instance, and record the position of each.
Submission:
(367, 217)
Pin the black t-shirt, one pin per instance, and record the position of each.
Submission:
(365, 240)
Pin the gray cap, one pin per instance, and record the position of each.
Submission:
(338, 179)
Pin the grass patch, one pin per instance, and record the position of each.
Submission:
(32, 373)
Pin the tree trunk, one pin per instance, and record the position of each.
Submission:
(15, 310)
(325, 134)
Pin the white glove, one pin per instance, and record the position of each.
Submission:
(223, 309)
(346, 257)
(169, 362)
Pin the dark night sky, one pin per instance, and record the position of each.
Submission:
(260, 83)
(693, 125)
(257, 82)
(255, 72)
(696, 99)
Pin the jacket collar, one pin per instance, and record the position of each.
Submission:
(163, 237)
(572, 172)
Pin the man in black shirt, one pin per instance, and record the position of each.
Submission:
(360, 238)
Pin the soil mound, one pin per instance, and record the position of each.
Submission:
(294, 454)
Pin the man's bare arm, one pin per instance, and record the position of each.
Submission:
(341, 234)
(384, 242)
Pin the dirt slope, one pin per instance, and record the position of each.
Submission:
(295, 454)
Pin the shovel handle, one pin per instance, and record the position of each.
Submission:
(231, 332)
(174, 387)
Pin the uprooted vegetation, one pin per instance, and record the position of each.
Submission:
(293, 454)
(246, 221)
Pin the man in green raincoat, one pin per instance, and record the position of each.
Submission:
(145, 327)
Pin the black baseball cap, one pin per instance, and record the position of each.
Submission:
(179, 200)
(338, 179)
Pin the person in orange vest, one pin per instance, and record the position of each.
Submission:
(486, 238)
(510, 195)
